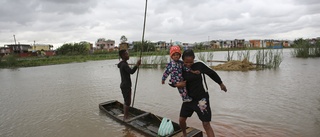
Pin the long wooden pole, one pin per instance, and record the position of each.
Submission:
(143, 42)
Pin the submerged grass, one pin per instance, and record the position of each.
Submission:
(264, 58)
(205, 56)
(270, 58)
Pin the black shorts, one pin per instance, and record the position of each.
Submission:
(126, 93)
(201, 107)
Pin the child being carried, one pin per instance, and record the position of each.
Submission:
(174, 69)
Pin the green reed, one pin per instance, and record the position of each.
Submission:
(152, 59)
(269, 58)
(205, 56)
(243, 55)
(304, 49)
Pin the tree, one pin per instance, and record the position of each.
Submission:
(74, 48)
(199, 46)
(101, 39)
(147, 46)
(123, 39)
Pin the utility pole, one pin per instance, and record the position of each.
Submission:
(208, 42)
(14, 37)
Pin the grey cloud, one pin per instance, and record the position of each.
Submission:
(16, 11)
(22, 11)
(306, 2)
(76, 7)
(62, 21)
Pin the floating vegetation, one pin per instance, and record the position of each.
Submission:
(236, 65)
(270, 58)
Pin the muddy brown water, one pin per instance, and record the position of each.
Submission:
(62, 100)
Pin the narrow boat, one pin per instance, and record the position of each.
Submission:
(142, 121)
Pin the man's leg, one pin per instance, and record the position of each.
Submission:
(207, 127)
(125, 112)
(127, 103)
(183, 125)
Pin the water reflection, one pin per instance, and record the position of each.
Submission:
(128, 132)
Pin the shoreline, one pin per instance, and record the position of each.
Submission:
(18, 62)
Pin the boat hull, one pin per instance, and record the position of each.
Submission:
(144, 122)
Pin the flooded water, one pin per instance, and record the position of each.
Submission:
(62, 100)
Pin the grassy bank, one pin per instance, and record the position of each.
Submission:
(12, 61)
(15, 62)
(149, 59)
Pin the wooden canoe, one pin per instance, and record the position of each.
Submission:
(142, 121)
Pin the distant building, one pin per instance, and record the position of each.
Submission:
(239, 43)
(18, 48)
(255, 43)
(186, 46)
(103, 44)
(4, 51)
(215, 44)
(228, 44)
(277, 44)
(168, 44)
(247, 44)
(160, 45)
(286, 43)
(177, 43)
(39, 47)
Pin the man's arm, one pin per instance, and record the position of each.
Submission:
(128, 69)
(214, 76)
(211, 73)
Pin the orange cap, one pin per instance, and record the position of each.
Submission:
(175, 49)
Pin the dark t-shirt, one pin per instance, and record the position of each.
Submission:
(125, 72)
(194, 84)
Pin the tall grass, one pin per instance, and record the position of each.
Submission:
(243, 55)
(9, 61)
(13, 61)
(152, 59)
(304, 49)
(270, 58)
(229, 56)
(205, 56)
(301, 48)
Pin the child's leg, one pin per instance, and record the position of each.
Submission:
(184, 95)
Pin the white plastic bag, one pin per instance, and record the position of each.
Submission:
(166, 127)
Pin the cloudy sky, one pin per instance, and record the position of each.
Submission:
(67, 21)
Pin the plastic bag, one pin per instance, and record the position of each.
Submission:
(166, 127)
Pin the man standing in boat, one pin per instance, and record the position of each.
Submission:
(126, 83)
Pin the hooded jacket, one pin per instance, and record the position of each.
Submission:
(125, 72)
